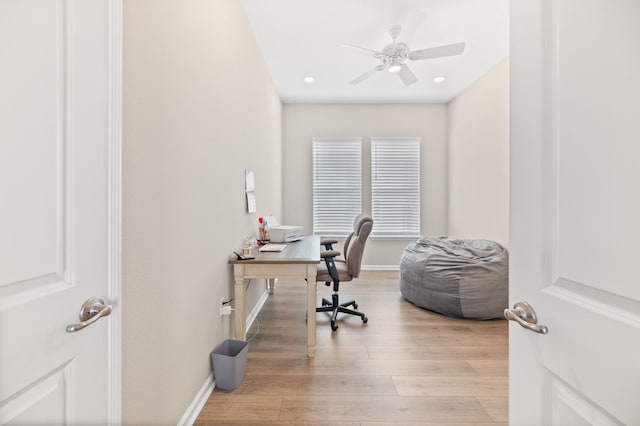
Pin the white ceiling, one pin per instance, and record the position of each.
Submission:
(300, 38)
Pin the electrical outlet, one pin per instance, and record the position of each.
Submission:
(221, 305)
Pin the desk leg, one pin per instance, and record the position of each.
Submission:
(311, 310)
(271, 282)
(240, 319)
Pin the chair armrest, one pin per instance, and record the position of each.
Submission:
(328, 244)
(328, 257)
(329, 253)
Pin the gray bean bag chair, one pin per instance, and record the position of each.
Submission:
(454, 277)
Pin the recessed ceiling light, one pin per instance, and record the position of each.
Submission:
(439, 79)
(309, 80)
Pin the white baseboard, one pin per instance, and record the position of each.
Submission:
(191, 415)
(380, 267)
(256, 309)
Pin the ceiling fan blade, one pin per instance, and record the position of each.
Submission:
(437, 52)
(407, 76)
(367, 74)
(361, 50)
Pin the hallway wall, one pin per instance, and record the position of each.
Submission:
(198, 111)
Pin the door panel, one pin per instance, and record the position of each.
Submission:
(44, 402)
(55, 163)
(595, 143)
(574, 210)
(595, 96)
(33, 80)
(570, 408)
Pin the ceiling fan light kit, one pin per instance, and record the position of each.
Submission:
(394, 55)
(395, 67)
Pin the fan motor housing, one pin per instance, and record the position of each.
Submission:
(399, 50)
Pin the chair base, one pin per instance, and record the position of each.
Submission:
(335, 307)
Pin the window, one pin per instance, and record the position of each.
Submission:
(395, 187)
(337, 187)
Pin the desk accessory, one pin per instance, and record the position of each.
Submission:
(243, 256)
(273, 247)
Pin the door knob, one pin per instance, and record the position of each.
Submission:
(523, 314)
(92, 310)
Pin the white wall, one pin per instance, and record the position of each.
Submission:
(301, 122)
(199, 108)
(479, 158)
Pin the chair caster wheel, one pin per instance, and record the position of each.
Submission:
(365, 319)
(355, 306)
(334, 327)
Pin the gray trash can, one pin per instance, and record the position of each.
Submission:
(229, 360)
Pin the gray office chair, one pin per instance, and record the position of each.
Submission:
(337, 270)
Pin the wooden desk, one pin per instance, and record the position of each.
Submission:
(300, 261)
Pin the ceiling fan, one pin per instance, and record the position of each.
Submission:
(393, 57)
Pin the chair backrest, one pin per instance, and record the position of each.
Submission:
(354, 245)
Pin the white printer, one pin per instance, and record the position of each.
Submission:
(282, 233)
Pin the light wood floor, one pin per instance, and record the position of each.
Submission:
(406, 366)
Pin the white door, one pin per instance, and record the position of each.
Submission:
(58, 209)
(575, 211)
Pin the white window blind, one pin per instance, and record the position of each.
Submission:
(337, 186)
(395, 187)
